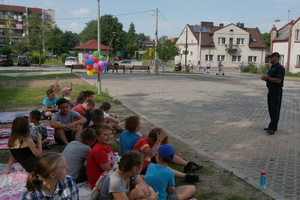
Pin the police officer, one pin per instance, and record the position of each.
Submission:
(274, 81)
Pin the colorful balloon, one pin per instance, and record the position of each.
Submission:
(91, 56)
(101, 63)
(101, 68)
(89, 62)
(95, 66)
(95, 71)
(105, 62)
(100, 72)
(101, 57)
(96, 53)
(89, 72)
(96, 59)
(86, 56)
(89, 67)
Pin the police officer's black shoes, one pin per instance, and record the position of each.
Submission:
(266, 129)
(270, 132)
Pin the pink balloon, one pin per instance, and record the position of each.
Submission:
(101, 63)
(95, 66)
(101, 68)
(91, 56)
(100, 72)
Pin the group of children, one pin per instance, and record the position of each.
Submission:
(141, 173)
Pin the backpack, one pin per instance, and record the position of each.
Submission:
(96, 189)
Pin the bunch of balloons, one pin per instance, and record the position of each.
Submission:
(95, 63)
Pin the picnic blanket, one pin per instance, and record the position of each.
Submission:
(6, 131)
(8, 117)
(12, 185)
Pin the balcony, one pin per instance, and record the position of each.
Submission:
(231, 47)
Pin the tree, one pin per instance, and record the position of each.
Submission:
(21, 48)
(69, 41)
(36, 36)
(6, 50)
(53, 41)
(167, 50)
(131, 43)
(90, 31)
(267, 39)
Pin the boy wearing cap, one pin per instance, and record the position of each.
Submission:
(274, 82)
(162, 180)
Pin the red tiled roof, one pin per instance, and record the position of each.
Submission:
(21, 9)
(92, 45)
(35, 10)
(149, 42)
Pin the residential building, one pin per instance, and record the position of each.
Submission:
(14, 22)
(232, 44)
(89, 47)
(286, 41)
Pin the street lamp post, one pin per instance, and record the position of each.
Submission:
(99, 49)
(199, 43)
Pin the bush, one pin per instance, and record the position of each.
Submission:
(35, 56)
(250, 68)
(63, 57)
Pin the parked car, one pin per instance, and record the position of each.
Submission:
(70, 61)
(23, 60)
(6, 60)
(129, 63)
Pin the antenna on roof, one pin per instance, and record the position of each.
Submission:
(289, 16)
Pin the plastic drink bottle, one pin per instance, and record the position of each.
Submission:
(263, 179)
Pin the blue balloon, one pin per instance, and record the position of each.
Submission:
(89, 62)
(105, 67)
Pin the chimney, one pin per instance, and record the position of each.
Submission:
(221, 25)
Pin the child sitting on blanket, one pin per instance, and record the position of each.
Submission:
(50, 180)
(21, 146)
(109, 119)
(37, 127)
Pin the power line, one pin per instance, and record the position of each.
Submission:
(169, 21)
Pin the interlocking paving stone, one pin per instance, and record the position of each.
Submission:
(221, 117)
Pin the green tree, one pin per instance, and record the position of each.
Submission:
(36, 37)
(131, 44)
(53, 41)
(90, 31)
(21, 48)
(167, 50)
(6, 50)
(69, 41)
(267, 39)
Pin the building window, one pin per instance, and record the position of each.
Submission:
(281, 59)
(297, 35)
(240, 41)
(48, 17)
(298, 60)
(191, 53)
(221, 57)
(209, 57)
(236, 58)
(252, 59)
(221, 40)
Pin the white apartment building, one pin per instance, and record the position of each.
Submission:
(232, 44)
(286, 41)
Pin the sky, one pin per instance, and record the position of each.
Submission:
(173, 15)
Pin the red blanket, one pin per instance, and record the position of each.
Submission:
(6, 131)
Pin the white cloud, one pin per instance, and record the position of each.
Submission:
(75, 27)
(81, 12)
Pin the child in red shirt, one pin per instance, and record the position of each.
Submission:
(102, 155)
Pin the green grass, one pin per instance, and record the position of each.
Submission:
(208, 195)
(226, 180)
(24, 96)
(20, 71)
(54, 62)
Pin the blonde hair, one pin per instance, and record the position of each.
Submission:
(46, 164)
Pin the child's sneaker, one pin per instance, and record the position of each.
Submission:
(191, 166)
(191, 178)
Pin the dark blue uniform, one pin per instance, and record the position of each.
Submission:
(275, 94)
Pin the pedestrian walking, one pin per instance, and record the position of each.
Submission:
(274, 82)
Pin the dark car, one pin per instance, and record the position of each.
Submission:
(23, 60)
(6, 60)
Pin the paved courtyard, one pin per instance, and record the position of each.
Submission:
(223, 118)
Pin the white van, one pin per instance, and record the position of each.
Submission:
(70, 61)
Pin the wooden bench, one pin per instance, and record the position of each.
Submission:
(115, 67)
(140, 67)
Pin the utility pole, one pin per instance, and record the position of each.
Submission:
(186, 47)
(99, 47)
(156, 41)
(288, 16)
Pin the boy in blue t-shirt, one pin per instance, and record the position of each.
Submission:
(162, 180)
(49, 104)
